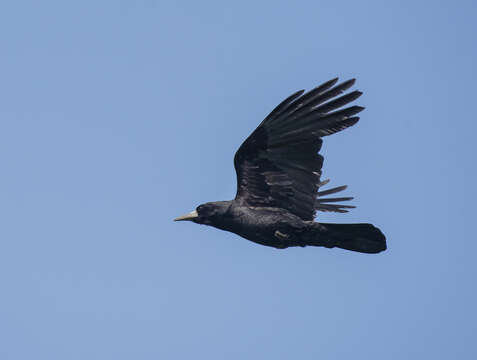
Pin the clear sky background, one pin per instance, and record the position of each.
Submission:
(117, 116)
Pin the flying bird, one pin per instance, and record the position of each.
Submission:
(279, 178)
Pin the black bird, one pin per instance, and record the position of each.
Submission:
(278, 177)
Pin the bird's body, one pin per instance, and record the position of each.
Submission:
(260, 224)
(278, 177)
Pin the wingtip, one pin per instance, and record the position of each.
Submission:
(345, 85)
(350, 82)
(327, 84)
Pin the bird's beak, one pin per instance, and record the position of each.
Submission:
(190, 216)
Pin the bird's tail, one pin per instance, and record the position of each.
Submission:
(363, 238)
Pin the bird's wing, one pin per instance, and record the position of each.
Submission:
(279, 165)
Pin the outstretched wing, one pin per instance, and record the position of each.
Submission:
(279, 165)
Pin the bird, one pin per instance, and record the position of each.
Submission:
(279, 170)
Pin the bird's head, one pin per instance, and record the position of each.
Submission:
(207, 213)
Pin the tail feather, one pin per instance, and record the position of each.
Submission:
(363, 238)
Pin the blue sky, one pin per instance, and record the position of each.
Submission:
(117, 116)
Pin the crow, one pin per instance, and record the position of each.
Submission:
(279, 176)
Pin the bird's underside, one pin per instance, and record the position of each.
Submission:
(279, 177)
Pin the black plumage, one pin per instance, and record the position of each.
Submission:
(279, 176)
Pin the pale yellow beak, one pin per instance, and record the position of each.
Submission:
(190, 216)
